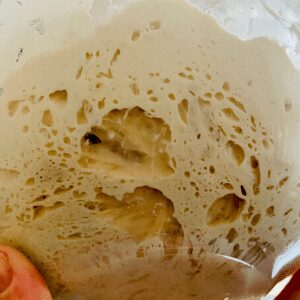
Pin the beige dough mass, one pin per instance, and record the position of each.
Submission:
(159, 134)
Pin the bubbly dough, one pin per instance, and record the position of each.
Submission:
(162, 133)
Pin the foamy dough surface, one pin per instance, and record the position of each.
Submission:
(161, 131)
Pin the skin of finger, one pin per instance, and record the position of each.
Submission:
(26, 283)
(292, 290)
